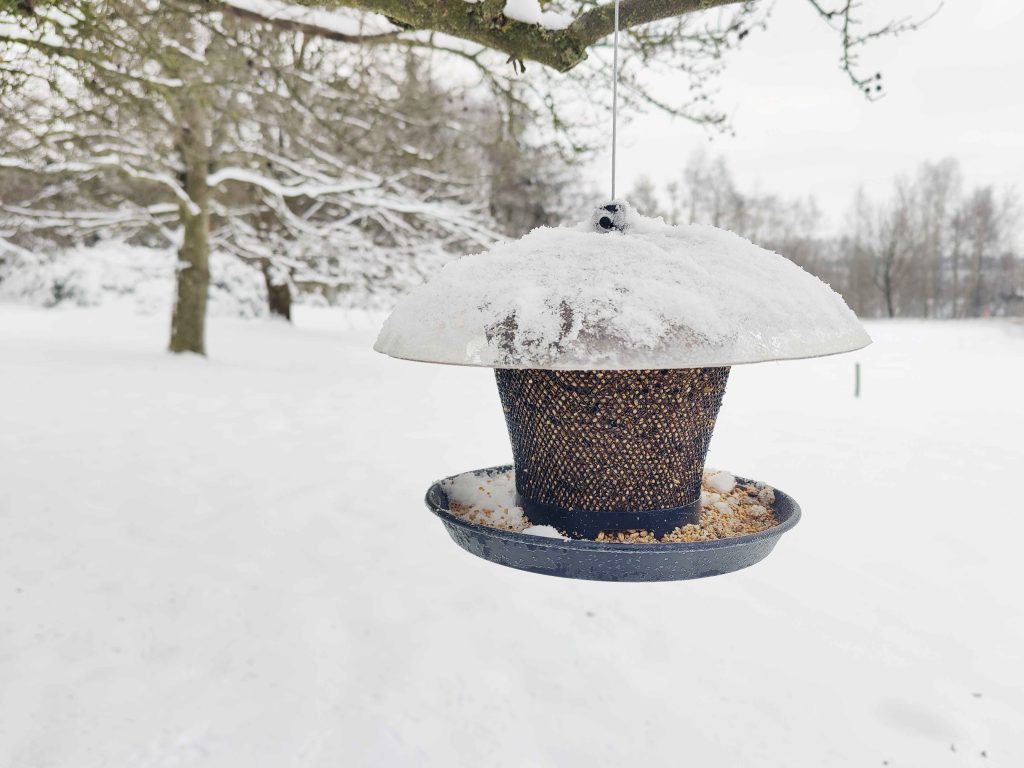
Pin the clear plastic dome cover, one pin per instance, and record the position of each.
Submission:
(648, 295)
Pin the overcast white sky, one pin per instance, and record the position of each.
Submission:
(955, 87)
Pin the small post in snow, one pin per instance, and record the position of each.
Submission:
(856, 379)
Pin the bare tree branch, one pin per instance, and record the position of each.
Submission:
(485, 23)
(844, 19)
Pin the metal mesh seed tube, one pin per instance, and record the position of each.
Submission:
(610, 450)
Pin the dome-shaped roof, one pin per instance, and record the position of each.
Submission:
(648, 296)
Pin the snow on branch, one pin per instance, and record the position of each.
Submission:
(27, 223)
(530, 12)
(327, 24)
(114, 163)
(52, 44)
(307, 189)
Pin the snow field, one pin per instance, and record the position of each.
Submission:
(227, 562)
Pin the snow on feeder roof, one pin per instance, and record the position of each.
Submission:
(645, 295)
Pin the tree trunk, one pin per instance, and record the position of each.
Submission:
(976, 265)
(956, 276)
(884, 277)
(188, 321)
(890, 307)
(279, 293)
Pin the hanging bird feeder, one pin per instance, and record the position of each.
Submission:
(612, 343)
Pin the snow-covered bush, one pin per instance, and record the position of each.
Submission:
(113, 271)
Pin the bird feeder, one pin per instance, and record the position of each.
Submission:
(612, 343)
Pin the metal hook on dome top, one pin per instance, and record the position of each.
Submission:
(613, 217)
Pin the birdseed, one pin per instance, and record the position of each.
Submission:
(728, 509)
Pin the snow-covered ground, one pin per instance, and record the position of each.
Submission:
(226, 562)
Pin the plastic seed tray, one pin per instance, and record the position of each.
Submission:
(601, 561)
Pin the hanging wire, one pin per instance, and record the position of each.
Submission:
(615, 91)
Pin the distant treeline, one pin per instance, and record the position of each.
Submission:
(933, 248)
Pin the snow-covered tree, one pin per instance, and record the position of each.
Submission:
(217, 131)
